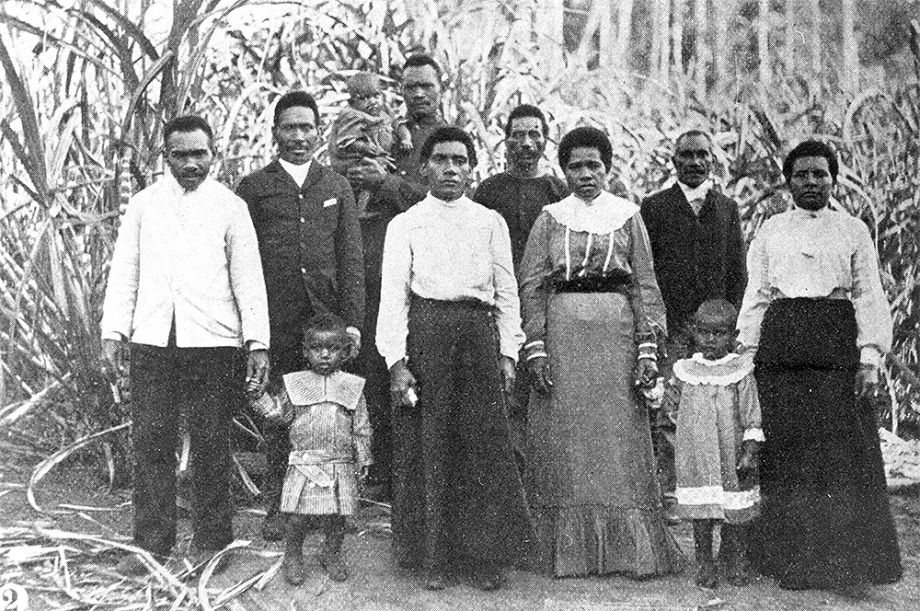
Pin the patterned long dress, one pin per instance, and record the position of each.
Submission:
(589, 300)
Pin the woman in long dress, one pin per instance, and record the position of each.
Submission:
(817, 317)
(589, 302)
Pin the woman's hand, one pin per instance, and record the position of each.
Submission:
(539, 374)
(867, 381)
(749, 460)
(508, 374)
(402, 385)
(646, 372)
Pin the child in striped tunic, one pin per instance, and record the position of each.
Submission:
(330, 436)
(717, 442)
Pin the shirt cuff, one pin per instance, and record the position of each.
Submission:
(353, 331)
(648, 350)
(754, 434)
(253, 345)
(534, 350)
(870, 355)
(114, 336)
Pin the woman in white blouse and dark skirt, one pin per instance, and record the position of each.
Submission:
(817, 316)
(589, 300)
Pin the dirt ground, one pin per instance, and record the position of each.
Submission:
(377, 584)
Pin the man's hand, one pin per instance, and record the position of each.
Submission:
(646, 372)
(367, 175)
(750, 456)
(113, 359)
(256, 372)
(540, 375)
(508, 374)
(401, 383)
(363, 472)
(867, 381)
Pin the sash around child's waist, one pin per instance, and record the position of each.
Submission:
(316, 457)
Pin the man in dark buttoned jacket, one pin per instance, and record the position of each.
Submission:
(310, 243)
(698, 253)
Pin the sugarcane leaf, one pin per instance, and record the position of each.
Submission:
(45, 466)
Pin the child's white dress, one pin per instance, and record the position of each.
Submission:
(717, 410)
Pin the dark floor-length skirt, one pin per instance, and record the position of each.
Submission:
(457, 494)
(826, 520)
(591, 474)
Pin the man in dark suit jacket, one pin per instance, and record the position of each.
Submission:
(310, 243)
(698, 252)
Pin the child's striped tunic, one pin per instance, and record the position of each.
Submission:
(330, 437)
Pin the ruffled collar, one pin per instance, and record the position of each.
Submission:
(730, 369)
(605, 214)
(702, 360)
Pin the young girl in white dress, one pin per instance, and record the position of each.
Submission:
(717, 442)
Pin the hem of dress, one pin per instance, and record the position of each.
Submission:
(598, 540)
(718, 512)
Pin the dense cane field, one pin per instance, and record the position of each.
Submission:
(87, 85)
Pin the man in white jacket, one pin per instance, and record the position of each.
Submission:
(186, 290)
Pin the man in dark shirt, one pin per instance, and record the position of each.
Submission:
(390, 195)
(519, 194)
(310, 243)
(698, 252)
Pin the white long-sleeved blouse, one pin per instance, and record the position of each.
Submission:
(450, 251)
(803, 253)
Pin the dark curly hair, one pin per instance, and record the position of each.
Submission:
(526, 110)
(294, 99)
(448, 134)
(586, 137)
(811, 148)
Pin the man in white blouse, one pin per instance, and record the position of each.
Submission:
(450, 330)
(186, 290)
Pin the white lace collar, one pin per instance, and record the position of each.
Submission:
(730, 369)
(604, 214)
(702, 360)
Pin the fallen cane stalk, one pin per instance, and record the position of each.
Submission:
(44, 467)
(157, 570)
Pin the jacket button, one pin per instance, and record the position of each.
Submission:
(303, 220)
(303, 270)
(300, 196)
